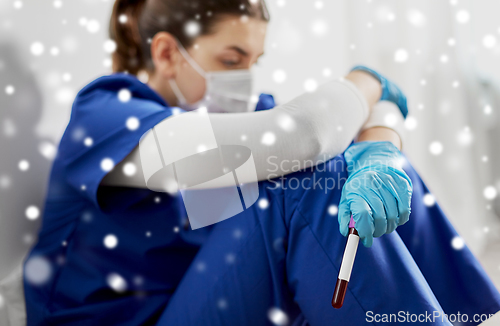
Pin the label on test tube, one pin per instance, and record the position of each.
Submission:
(348, 258)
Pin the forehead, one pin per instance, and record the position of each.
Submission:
(244, 32)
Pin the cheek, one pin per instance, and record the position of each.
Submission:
(191, 83)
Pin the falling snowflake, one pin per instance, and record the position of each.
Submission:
(201, 266)
(23, 165)
(436, 148)
(32, 212)
(9, 90)
(462, 16)
(93, 26)
(129, 169)
(318, 4)
(201, 148)
(107, 164)
(490, 192)
(143, 76)
(277, 316)
(457, 243)
(88, 141)
(132, 123)
(411, 123)
(83, 21)
(279, 76)
(489, 41)
(65, 95)
(124, 95)
(5, 181)
(237, 233)
(416, 18)
(54, 51)
(263, 203)
(310, 85)
(192, 28)
(123, 18)
(109, 46)
(37, 49)
(48, 150)
(429, 200)
(222, 304)
(268, 138)
(465, 137)
(66, 77)
(107, 63)
(390, 119)
(230, 258)
(286, 122)
(110, 241)
(319, 27)
(37, 270)
(117, 282)
(244, 19)
(333, 210)
(401, 55)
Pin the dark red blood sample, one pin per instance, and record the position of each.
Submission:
(341, 286)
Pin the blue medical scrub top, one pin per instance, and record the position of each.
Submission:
(73, 278)
(150, 256)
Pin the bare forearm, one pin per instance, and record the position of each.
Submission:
(380, 134)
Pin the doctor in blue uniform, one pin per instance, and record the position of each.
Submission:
(111, 255)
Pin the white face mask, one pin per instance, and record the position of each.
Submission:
(228, 91)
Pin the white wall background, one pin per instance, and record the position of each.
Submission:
(442, 53)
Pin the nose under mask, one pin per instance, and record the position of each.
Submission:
(228, 91)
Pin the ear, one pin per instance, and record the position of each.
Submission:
(165, 54)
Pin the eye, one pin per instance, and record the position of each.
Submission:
(230, 63)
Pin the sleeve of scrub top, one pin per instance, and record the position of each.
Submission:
(304, 132)
(102, 131)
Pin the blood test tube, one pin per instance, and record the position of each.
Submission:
(346, 266)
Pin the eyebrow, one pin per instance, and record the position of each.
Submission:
(241, 51)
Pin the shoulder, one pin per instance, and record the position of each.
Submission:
(116, 94)
(116, 83)
(110, 109)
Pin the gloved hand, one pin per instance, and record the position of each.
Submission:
(390, 91)
(377, 191)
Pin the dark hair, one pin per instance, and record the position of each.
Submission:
(135, 22)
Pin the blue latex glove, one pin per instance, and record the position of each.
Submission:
(390, 91)
(377, 191)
